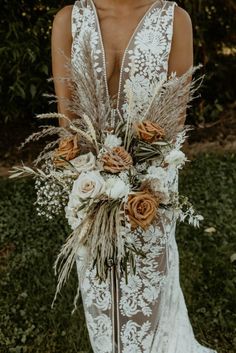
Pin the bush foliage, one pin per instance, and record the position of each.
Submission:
(25, 58)
(29, 245)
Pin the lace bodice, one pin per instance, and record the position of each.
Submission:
(145, 59)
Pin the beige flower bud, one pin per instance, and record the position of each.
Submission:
(149, 131)
(68, 149)
(141, 209)
(116, 160)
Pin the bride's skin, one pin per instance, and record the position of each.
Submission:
(118, 19)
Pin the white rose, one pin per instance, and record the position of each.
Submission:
(89, 184)
(112, 141)
(116, 188)
(85, 162)
(175, 158)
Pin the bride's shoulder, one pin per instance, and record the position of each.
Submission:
(181, 54)
(62, 22)
(63, 16)
(181, 17)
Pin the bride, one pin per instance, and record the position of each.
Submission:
(133, 43)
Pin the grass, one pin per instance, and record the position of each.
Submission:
(29, 245)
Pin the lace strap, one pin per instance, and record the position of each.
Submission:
(169, 12)
(77, 17)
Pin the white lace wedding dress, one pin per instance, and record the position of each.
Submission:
(147, 315)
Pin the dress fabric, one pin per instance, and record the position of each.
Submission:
(148, 314)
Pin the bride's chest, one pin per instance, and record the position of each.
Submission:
(115, 36)
(116, 33)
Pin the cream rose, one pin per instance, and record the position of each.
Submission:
(73, 213)
(88, 185)
(85, 162)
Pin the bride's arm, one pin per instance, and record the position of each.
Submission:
(181, 54)
(61, 40)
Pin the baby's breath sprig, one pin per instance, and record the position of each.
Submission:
(51, 197)
(185, 210)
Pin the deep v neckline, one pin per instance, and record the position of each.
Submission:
(123, 57)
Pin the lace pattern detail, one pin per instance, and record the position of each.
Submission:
(148, 57)
(147, 52)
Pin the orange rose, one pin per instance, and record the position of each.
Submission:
(68, 149)
(116, 160)
(141, 209)
(149, 131)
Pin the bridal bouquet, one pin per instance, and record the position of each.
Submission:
(111, 179)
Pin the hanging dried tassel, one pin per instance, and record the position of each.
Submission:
(66, 258)
(105, 230)
(95, 241)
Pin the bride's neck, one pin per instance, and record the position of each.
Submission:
(117, 3)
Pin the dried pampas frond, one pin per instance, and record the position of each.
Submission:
(84, 82)
(171, 100)
(24, 171)
(47, 151)
(48, 131)
(91, 115)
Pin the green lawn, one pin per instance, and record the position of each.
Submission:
(29, 245)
